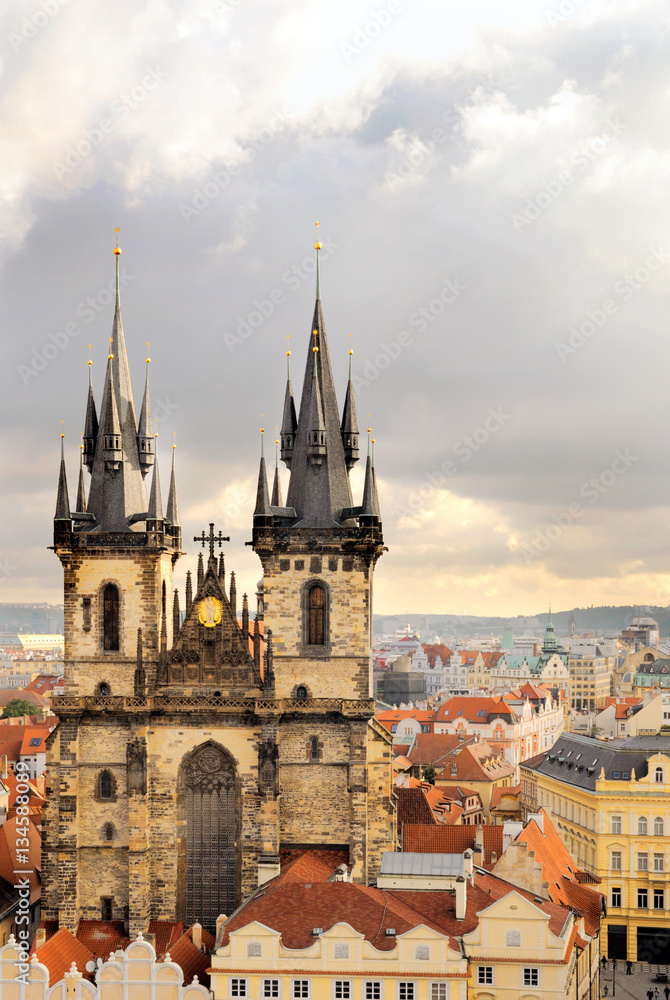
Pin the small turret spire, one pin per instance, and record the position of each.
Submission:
(374, 482)
(145, 440)
(111, 430)
(201, 570)
(81, 489)
(62, 498)
(368, 504)
(222, 571)
(262, 508)
(155, 512)
(189, 590)
(349, 425)
(245, 618)
(90, 423)
(276, 486)
(233, 594)
(316, 428)
(289, 419)
(172, 513)
(175, 614)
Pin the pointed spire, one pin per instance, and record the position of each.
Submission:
(276, 485)
(319, 487)
(175, 614)
(262, 508)
(222, 571)
(81, 488)
(163, 632)
(245, 618)
(349, 426)
(289, 424)
(201, 570)
(62, 498)
(155, 512)
(374, 482)
(368, 504)
(233, 594)
(90, 424)
(145, 439)
(189, 590)
(117, 492)
(257, 644)
(172, 512)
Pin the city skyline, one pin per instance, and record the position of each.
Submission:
(491, 203)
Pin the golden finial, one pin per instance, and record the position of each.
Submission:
(110, 355)
(155, 427)
(62, 432)
(317, 245)
(89, 362)
(174, 440)
(148, 359)
(117, 248)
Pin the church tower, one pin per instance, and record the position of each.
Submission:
(193, 746)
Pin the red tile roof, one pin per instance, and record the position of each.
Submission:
(434, 649)
(476, 762)
(560, 871)
(102, 937)
(166, 933)
(434, 748)
(422, 839)
(30, 734)
(413, 806)
(11, 856)
(469, 708)
(499, 792)
(192, 961)
(60, 951)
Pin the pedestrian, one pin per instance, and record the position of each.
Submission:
(656, 994)
(666, 993)
(604, 961)
(650, 994)
(629, 969)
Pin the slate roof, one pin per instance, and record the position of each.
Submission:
(578, 760)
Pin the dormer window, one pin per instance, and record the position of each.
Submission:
(659, 775)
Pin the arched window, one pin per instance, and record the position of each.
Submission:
(658, 826)
(106, 786)
(316, 607)
(108, 831)
(314, 748)
(301, 693)
(104, 689)
(642, 826)
(659, 774)
(110, 601)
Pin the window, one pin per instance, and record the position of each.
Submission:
(406, 991)
(239, 988)
(108, 831)
(316, 606)
(625, 775)
(254, 949)
(270, 989)
(531, 977)
(422, 952)
(341, 950)
(658, 899)
(658, 862)
(301, 693)
(642, 861)
(616, 896)
(513, 939)
(642, 899)
(642, 826)
(394, 727)
(35, 741)
(106, 786)
(110, 602)
(300, 989)
(615, 824)
(425, 729)
(106, 907)
(342, 989)
(616, 861)
(658, 826)
(314, 751)
(659, 774)
(485, 975)
(438, 991)
(103, 690)
(373, 990)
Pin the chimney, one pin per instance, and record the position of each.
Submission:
(196, 935)
(40, 937)
(3, 766)
(479, 836)
(220, 921)
(461, 897)
(467, 862)
(494, 857)
(268, 867)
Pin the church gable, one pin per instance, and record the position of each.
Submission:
(211, 650)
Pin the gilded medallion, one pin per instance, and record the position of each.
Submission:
(210, 610)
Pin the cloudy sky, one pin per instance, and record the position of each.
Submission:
(491, 183)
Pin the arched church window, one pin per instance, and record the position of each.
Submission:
(316, 607)
(110, 602)
(106, 786)
(104, 690)
(108, 831)
(314, 748)
(301, 693)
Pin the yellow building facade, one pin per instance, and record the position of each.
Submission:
(610, 803)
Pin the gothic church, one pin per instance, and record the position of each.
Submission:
(194, 746)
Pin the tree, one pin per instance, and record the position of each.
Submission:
(18, 706)
(429, 773)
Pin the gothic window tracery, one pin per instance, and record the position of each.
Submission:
(316, 604)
